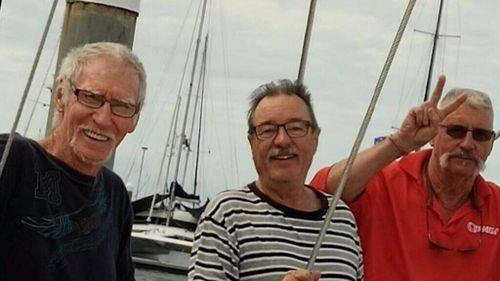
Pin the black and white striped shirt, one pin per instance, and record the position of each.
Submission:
(244, 235)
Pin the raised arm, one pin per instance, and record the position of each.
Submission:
(418, 128)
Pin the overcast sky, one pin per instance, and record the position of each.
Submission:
(254, 42)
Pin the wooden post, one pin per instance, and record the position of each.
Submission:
(87, 21)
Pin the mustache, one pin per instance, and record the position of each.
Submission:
(464, 155)
(276, 152)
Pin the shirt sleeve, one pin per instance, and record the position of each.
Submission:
(214, 255)
(320, 178)
(8, 177)
(124, 263)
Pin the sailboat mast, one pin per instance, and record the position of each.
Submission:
(195, 111)
(307, 39)
(200, 124)
(186, 113)
(433, 53)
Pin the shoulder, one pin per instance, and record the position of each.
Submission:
(18, 142)
(109, 175)
(233, 197)
(320, 178)
(232, 201)
(407, 169)
(114, 185)
(488, 187)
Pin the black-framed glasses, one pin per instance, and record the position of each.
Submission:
(93, 100)
(294, 129)
(464, 245)
(459, 132)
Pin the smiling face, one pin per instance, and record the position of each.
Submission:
(86, 137)
(282, 158)
(463, 156)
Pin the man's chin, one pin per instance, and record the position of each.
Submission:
(90, 159)
(284, 177)
(469, 169)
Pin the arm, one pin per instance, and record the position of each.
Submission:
(366, 165)
(125, 267)
(418, 128)
(214, 255)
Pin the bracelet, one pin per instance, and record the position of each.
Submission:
(398, 148)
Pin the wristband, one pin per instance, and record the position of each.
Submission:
(398, 148)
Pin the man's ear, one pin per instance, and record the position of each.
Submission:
(316, 138)
(134, 125)
(491, 146)
(59, 100)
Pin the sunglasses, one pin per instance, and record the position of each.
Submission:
(459, 132)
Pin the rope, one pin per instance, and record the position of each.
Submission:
(307, 39)
(361, 132)
(27, 88)
(41, 89)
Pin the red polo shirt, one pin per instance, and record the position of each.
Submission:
(404, 238)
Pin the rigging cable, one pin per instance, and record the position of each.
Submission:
(232, 151)
(459, 39)
(184, 123)
(41, 88)
(6, 151)
(307, 39)
(434, 45)
(361, 133)
(189, 140)
(152, 125)
(200, 121)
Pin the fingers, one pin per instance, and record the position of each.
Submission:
(449, 108)
(302, 275)
(422, 116)
(438, 90)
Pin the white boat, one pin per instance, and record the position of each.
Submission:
(163, 237)
(163, 233)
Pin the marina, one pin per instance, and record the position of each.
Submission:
(241, 46)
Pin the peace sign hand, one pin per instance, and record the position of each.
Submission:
(422, 122)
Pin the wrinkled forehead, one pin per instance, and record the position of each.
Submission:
(470, 115)
(280, 108)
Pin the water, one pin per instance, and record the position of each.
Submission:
(152, 251)
(153, 274)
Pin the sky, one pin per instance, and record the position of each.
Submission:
(254, 42)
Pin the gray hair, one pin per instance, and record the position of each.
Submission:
(280, 87)
(78, 57)
(475, 98)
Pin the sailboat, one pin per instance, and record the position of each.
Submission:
(428, 63)
(163, 230)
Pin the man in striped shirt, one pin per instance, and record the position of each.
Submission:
(267, 229)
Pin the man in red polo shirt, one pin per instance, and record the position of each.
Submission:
(429, 215)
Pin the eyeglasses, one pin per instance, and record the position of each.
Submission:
(294, 129)
(467, 245)
(459, 132)
(93, 100)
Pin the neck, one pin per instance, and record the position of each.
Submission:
(451, 191)
(63, 152)
(295, 196)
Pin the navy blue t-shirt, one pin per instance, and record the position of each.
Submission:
(59, 224)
